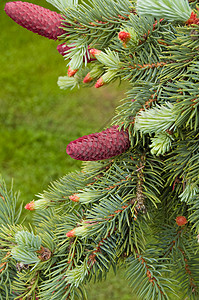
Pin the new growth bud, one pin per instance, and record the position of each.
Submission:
(96, 72)
(99, 83)
(181, 220)
(87, 78)
(77, 231)
(71, 72)
(193, 19)
(106, 78)
(94, 52)
(30, 205)
(74, 198)
(124, 37)
(39, 204)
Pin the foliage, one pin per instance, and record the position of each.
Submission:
(123, 210)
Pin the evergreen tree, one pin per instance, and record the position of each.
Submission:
(135, 203)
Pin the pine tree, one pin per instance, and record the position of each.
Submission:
(135, 203)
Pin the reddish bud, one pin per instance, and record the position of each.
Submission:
(94, 52)
(87, 78)
(181, 220)
(30, 206)
(74, 198)
(71, 233)
(124, 36)
(71, 72)
(99, 83)
(193, 19)
(77, 231)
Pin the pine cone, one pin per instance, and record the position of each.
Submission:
(98, 146)
(35, 18)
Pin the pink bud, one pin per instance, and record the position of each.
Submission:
(71, 72)
(124, 36)
(94, 52)
(99, 83)
(181, 220)
(74, 198)
(71, 233)
(30, 206)
(77, 231)
(87, 78)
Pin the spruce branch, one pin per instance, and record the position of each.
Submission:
(157, 119)
(177, 10)
(62, 5)
(135, 201)
(10, 209)
(146, 277)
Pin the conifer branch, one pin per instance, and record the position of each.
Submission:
(135, 201)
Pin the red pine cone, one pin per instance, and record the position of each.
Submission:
(181, 220)
(35, 18)
(98, 146)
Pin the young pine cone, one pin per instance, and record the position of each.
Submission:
(98, 146)
(35, 18)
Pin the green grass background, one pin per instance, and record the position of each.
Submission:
(38, 120)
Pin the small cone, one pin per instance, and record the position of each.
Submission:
(181, 220)
(35, 18)
(124, 36)
(98, 146)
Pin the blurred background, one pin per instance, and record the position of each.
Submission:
(38, 120)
